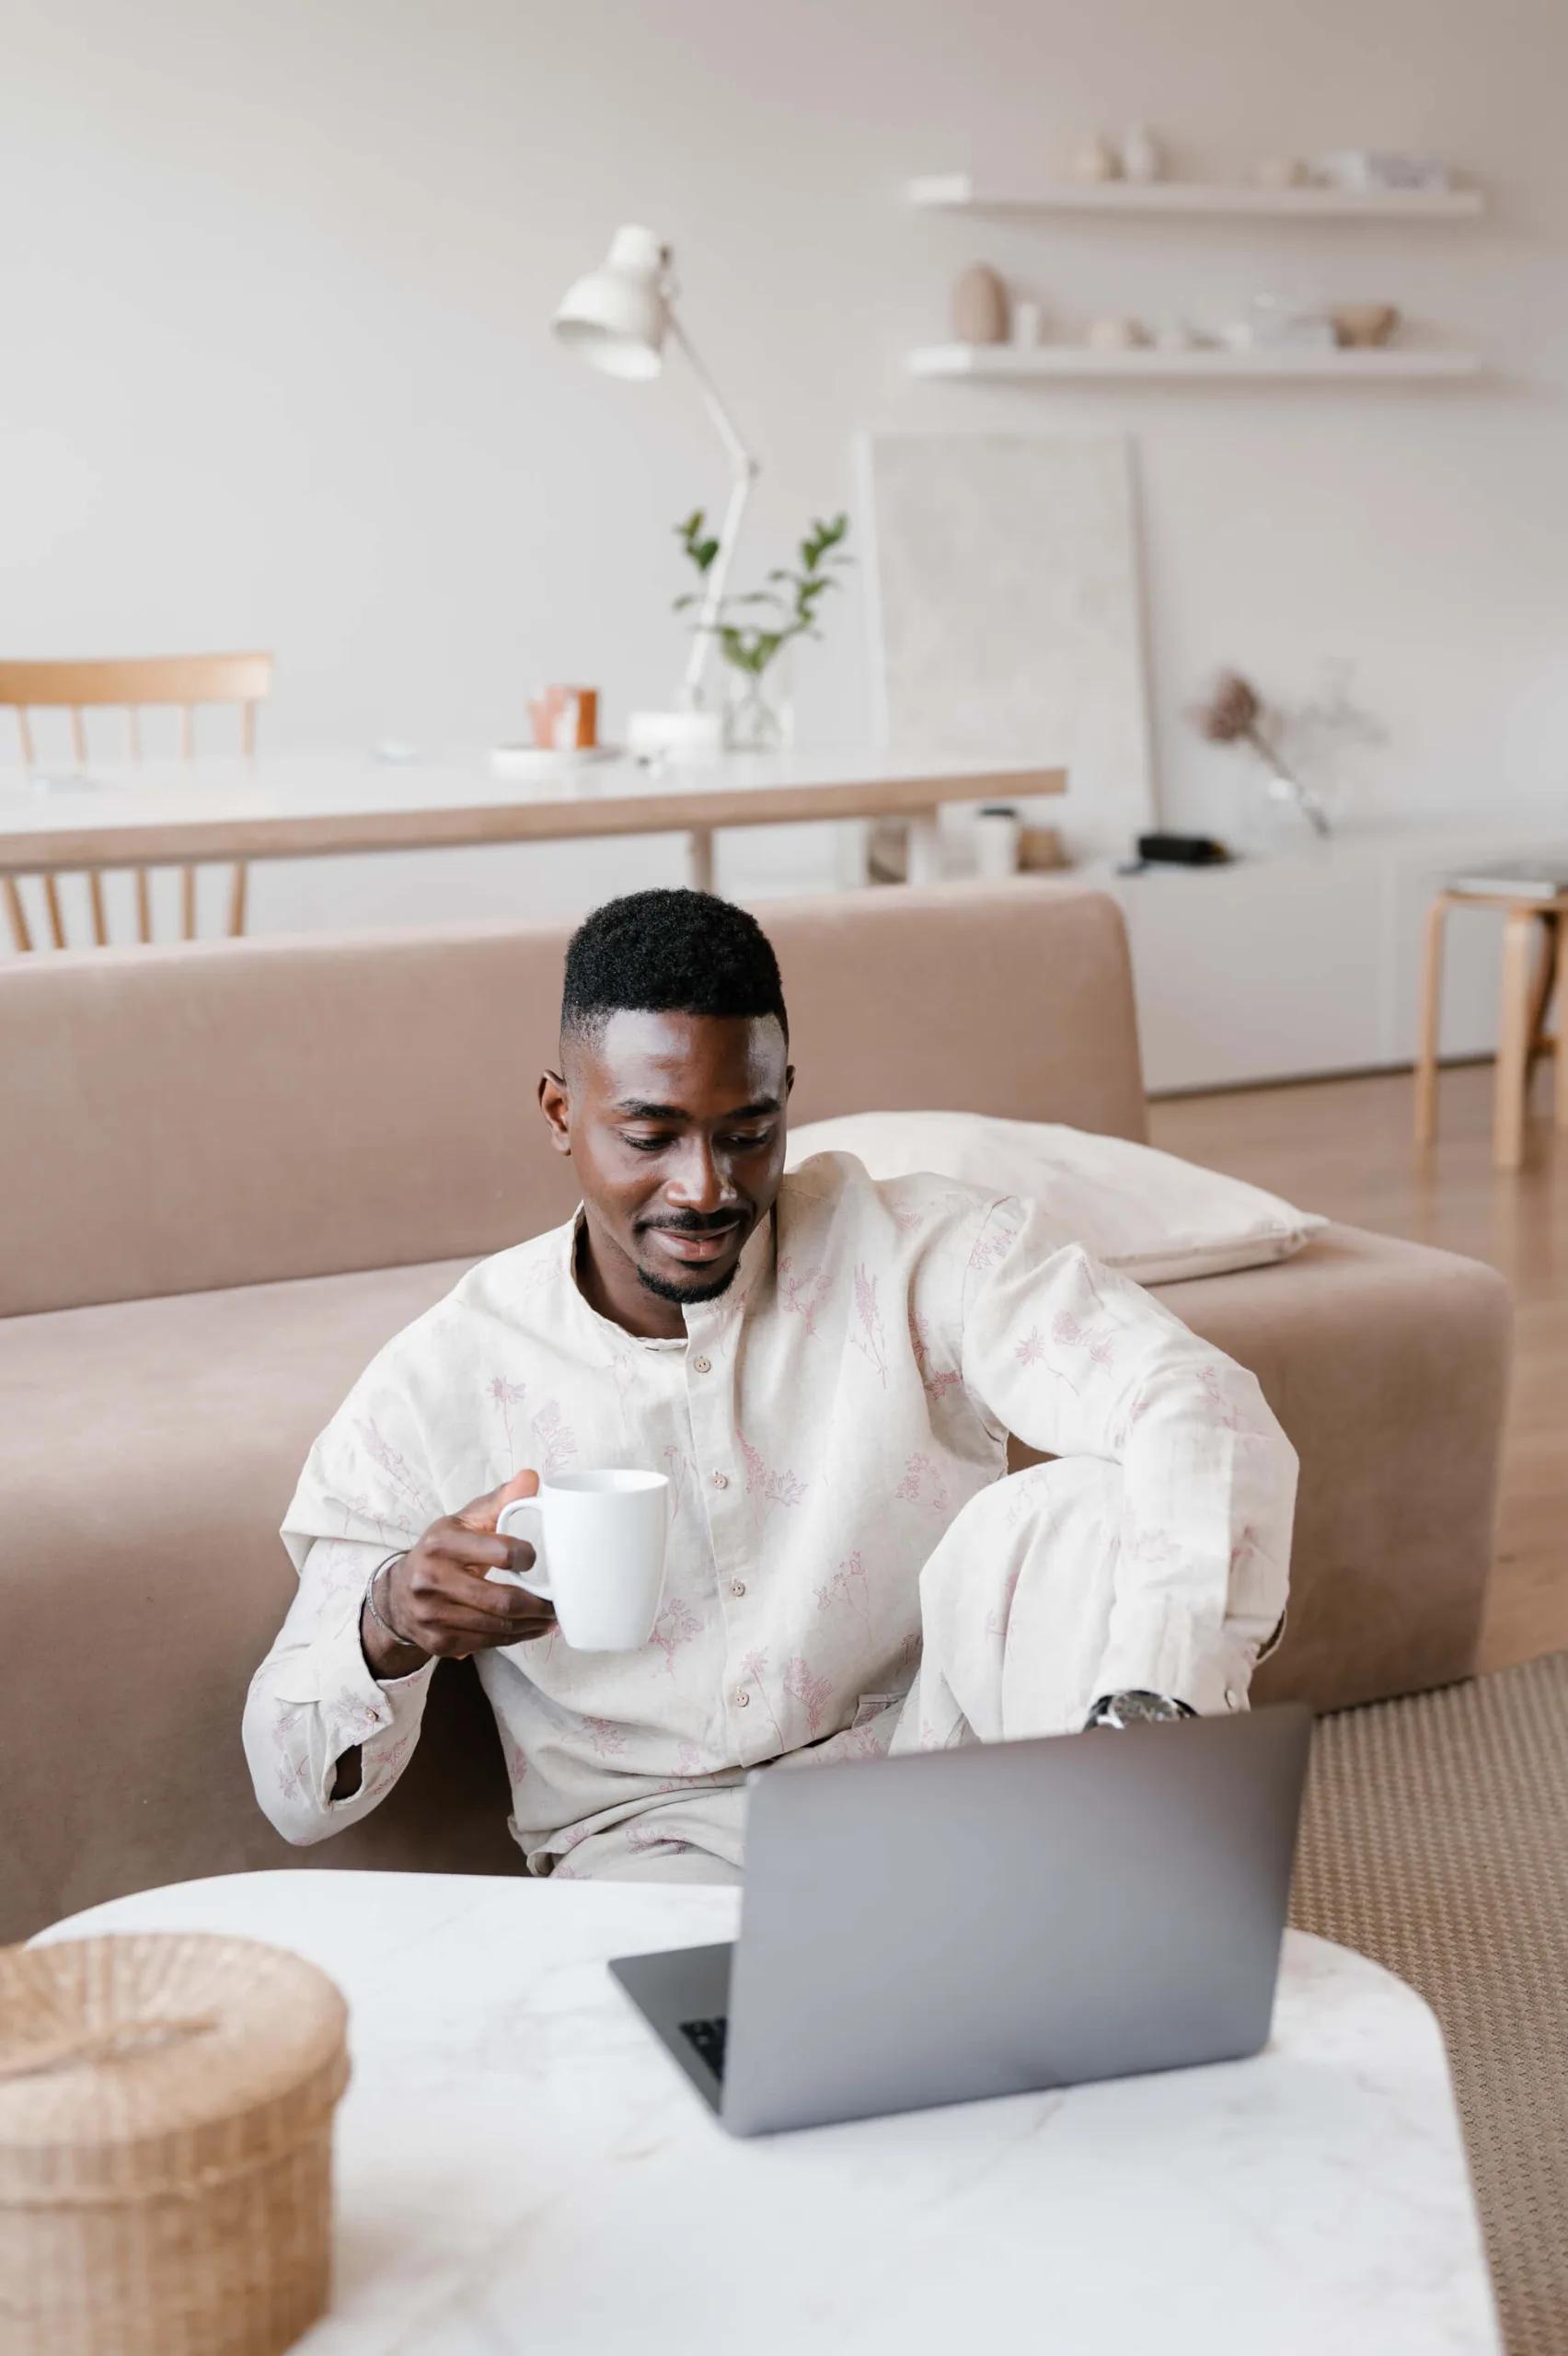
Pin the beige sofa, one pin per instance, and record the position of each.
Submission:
(228, 1173)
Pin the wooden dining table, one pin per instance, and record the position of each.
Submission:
(309, 805)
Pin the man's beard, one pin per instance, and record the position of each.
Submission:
(701, 1288)
(686, 1296)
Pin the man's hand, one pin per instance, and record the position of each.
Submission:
(438, 1597)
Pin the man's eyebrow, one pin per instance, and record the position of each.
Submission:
(634, 1108)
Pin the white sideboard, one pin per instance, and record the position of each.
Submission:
(1306, 959)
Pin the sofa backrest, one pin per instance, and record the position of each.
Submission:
(228, 1113)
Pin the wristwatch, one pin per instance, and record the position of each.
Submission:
(1135, 1708)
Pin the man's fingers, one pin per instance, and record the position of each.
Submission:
(455, 1544)
(494, 1598)
(484, 1512)
(479, 1631)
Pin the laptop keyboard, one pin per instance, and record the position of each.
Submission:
(708, 2037)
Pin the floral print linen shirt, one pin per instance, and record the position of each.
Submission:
(822, 1425)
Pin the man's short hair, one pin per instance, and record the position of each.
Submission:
(668, 953)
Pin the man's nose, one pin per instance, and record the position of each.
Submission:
(700, 1179)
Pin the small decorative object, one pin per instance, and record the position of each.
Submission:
(1113, 334)
(1141, 155)
(1361, 326)
(166, 2146)
(1028, 321)
(1094, 158)
(1365, 169)
(887, 851)
(1041, 850)
(1175, 850)
(1279, 171)
(565, 720)
(758, 717)
(1271, 323)
(996, 833)
(980, 307)
(1234, 714)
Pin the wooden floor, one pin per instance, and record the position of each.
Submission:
(1343, 1147)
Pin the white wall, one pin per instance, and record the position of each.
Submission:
(276, 281)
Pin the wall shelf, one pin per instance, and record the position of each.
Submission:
(1016, 362)
(962, 192)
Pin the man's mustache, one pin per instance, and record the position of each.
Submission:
(692, 1223)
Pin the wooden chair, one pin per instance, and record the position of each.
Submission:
(176, 681)
(1522, 1035)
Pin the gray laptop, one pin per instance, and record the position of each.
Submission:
(991, 1921)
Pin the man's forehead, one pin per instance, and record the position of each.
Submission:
(638, 1056)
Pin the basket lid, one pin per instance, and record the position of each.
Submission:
(155, 2061)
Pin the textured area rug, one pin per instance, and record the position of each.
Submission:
(1436, 1841)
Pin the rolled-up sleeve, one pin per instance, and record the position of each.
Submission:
(1078, 1361)
(313, 1698)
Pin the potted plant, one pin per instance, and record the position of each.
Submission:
(754, 628)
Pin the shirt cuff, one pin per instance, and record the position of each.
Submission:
(1161, 1649)
(357, 1706)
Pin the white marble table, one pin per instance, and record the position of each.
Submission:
(521, 2167)
(294, 805)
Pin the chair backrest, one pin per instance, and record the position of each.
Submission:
(133, 685)
(236, 1112)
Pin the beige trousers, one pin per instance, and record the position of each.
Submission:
(1015, 1604)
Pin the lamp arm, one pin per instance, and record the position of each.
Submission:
(743, 471)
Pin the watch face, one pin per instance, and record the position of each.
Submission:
(1131, 1709)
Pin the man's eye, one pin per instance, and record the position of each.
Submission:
(645, 1145)
(750, 1144)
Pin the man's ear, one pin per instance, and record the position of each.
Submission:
(554, 1103)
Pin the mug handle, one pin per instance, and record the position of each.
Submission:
(509, 1525)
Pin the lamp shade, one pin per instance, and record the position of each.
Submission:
(617, 315)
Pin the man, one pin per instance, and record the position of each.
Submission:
(827, 1369)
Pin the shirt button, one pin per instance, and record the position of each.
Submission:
(737, 1587)
(742, 1698)
(720, 1480)
(702, 1366)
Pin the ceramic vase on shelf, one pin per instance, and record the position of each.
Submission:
(759, 709)
(1142, 158)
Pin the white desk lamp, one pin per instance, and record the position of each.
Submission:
(619, 318)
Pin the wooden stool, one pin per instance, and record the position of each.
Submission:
(1526, 1000)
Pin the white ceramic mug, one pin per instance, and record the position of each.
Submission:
(598, 1541)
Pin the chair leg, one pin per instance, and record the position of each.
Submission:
(21, 931)
(239, 876)
(1551, 987)
(56, 914)
(1545, 983)
(1431, 1022)
(187, 902)
(1513, 1040)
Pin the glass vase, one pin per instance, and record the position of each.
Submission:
(759, 713)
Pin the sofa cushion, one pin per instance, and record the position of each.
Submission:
(1158, 1219)
(147, 1453)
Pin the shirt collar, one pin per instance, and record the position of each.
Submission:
(704, 1317)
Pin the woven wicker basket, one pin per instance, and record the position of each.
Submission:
(166, 2146)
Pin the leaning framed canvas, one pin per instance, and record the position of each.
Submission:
(1006, 612)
